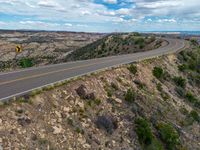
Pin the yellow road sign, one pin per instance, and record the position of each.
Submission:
(18, 49)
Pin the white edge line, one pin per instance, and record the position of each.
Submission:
(22, 93)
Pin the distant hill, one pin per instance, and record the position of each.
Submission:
(114, 45)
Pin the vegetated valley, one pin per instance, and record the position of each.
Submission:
(150, 105)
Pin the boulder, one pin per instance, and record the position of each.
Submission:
(107, 123)
(24, 120)
(90, 96)
(81, 91)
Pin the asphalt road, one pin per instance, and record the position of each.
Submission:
(21, 82)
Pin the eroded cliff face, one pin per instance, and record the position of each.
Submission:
(100, 111)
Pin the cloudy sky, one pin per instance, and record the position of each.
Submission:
(100, 15)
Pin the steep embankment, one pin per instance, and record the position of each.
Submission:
(116, 44)
(153, 104)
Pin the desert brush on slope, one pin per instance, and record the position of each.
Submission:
(116, 44)
(130, 107)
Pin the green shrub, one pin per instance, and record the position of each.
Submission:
(159, 87)
(168, 135)
(197, 104)
(155, 145)
(141, 46)
(26, 62)
(139, 41)
(70, 121)
(184, 111)
(165, 96)
(145, 135)
(130, 95)
(182, 67)
(179, 81)
(190, 97)
(140, 84)
(190, 59)
(143, 131)
(182, 56)
(196, 79)
(114, 86)
(180, 91)
(166, 76)
(158, 72)
(43, 141)
(24, 100)
(109, 93)
(119, 79)
(195, 115)
(192, 64)
(97, 101)
(110, 88)
(133, 69)
(194, 41)
(79, 130)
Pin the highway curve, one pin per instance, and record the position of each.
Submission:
(21, 82)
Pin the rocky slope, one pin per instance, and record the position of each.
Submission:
(153, 104)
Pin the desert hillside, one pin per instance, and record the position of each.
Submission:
(116, 44)
(150, 105)
(44, 48)
(39, 48)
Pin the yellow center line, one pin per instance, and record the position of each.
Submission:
(52, 72)
(57, 71)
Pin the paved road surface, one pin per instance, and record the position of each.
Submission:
(21, 82)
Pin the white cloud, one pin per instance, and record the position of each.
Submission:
(107, 13)
(159, 4)
(68, 24)
(118, 20)
(124, 11)
(111, 1)
(2, 23)
(37, 24)
(82, 25)
(167, 20)
(48, 3)
(176, 8)
(86, 12)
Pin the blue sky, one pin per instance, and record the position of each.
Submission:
(101, 15)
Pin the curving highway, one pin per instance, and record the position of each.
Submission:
(21, 82)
